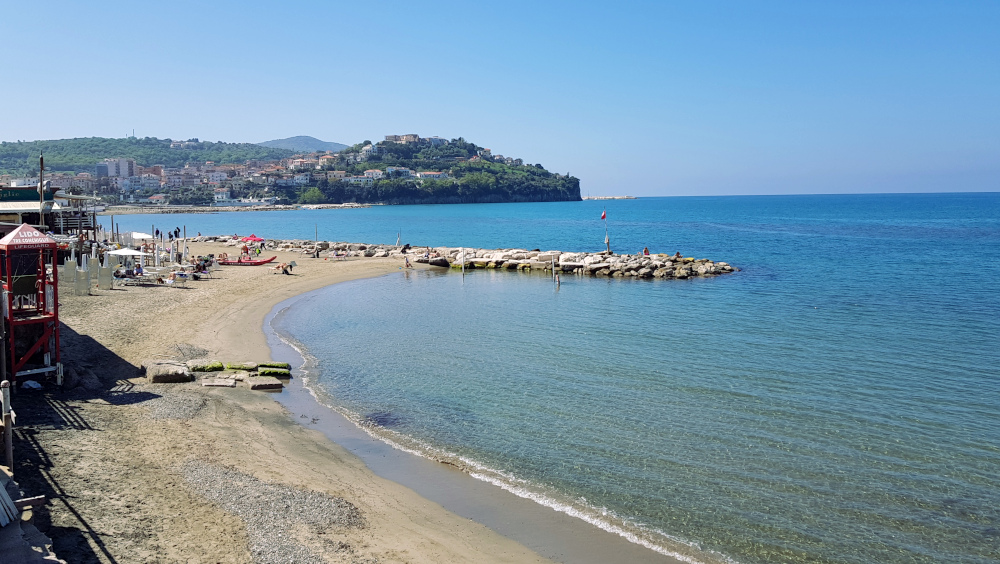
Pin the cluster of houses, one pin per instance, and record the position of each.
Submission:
(129, 179)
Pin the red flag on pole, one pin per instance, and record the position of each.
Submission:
(604, 214)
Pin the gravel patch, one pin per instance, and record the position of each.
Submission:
(175, 406)
(284, 524)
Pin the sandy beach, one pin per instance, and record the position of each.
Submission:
(140, 472)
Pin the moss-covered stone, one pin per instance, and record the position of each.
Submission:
(276, 372)
(205, 365)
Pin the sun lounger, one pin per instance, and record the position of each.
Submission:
(177, 280)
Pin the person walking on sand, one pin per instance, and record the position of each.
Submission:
(406, 259)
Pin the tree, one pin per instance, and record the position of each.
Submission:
(312, 196)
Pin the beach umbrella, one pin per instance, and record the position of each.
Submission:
(128, 253)
(252, 238)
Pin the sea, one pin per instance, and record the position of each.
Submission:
(837, 400)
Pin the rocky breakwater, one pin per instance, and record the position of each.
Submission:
(521, 260)
(594, 264)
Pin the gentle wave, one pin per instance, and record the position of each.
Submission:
(600, 517)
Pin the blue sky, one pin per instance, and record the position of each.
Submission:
(657, 98)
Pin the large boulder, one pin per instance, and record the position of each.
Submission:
(166, 371)
(439, 261)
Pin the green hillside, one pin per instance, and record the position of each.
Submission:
(81, 154)
(472, 178)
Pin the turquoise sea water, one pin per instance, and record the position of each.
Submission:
(836, 401)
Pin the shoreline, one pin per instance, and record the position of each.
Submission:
(115, 496)
(550, 532)
(114, 453)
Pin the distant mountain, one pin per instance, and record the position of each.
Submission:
(303, 143)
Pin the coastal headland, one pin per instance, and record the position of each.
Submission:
(136, 471)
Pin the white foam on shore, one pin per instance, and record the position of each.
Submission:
(309, 373)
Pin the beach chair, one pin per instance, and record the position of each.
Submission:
(179, 280)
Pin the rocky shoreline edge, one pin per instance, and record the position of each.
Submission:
(521, 260)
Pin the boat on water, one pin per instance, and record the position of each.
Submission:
(246, 262)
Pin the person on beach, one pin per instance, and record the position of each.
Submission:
(406, 259)
(677, 255)
(645, 251)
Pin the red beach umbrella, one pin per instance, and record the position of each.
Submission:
(252, 238)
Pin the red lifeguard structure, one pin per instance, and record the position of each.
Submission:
(29, 276)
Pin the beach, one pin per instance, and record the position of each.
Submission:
(738, 407)
(139, 472)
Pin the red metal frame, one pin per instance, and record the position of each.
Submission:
(38, 314)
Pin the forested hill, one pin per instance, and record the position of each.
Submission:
(471, 175)
(81, 154)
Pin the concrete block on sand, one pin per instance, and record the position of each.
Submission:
(205, 365)
(264, 383)
(166, 371)
(219, 382)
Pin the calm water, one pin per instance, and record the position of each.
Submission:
(837, 401)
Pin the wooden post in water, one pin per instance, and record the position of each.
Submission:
(8, 427)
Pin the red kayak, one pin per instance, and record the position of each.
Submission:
(246, 262)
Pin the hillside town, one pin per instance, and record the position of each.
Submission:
(258, 182)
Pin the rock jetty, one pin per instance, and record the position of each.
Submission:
(521, 260)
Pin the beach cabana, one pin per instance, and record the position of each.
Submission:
(29, 274)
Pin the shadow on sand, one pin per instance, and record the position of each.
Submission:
(94, 374)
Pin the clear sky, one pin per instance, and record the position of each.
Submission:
(657, 98)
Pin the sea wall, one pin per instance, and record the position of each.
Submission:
(521, 260)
